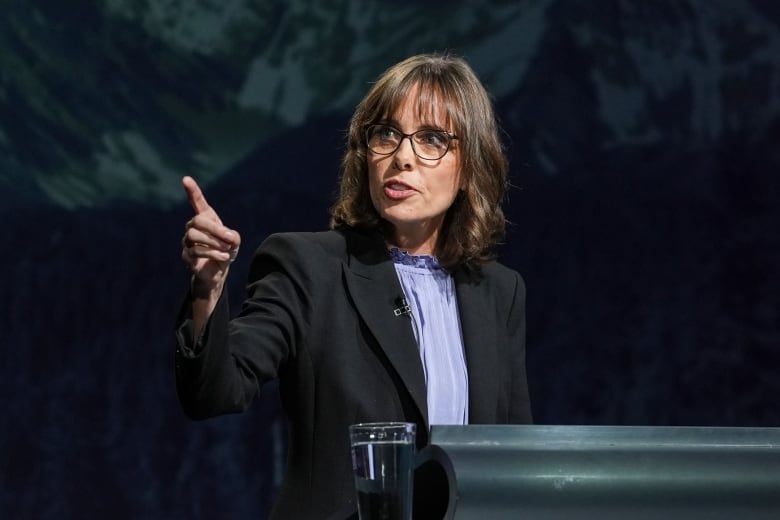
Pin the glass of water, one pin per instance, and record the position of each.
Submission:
(383, 460)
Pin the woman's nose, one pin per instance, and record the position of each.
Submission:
(404, 154)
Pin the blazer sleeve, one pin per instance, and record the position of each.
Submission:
(222, 371)
(519, 404)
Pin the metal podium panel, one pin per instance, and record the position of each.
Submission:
(612, 472)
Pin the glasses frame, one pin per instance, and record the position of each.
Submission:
(450, 138)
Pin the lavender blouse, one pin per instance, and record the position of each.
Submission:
(430, 292)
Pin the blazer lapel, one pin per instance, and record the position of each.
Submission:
(478, 324)
(373, 284)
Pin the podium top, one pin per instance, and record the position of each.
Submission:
(605, 472)
(608, 437)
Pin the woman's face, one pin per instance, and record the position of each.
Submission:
(410, 192)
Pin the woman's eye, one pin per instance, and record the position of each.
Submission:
(387, 132)
(433, 138)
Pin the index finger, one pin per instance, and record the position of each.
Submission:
(195, 195)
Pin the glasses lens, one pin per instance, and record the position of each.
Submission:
(382, 139)
(431, 144)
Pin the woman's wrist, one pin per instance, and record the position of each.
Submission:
(205, 290)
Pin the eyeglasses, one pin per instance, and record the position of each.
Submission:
(426, 143)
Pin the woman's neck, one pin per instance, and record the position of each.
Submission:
(415, 243)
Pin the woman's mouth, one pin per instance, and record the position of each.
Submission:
(397, 190)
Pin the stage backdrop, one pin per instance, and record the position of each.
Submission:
(645, 206)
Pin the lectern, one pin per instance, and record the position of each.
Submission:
(609, 472)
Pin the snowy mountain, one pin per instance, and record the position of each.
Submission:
(113, 102)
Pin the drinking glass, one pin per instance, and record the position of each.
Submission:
(383, 460)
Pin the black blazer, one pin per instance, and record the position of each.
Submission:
(319, 316)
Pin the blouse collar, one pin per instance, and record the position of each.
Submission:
(422, 261)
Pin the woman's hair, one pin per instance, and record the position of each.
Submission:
(475, 222)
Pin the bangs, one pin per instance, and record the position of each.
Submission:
(434, 104)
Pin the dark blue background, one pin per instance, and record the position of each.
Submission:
(645, 220)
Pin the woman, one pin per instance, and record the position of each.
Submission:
(398, 313)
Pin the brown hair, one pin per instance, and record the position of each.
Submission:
(475, 222)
